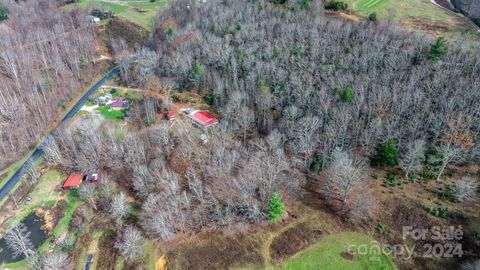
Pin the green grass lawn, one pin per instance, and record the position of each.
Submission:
(369, 4)
(133, 95)
(90, 103)
(73, 202)
(404, 8)
(141, 13)
(111, 114)
(20, 265)
(150, 254)
(411, 13)
(44, 194)
(121, 264)
(326, 255)
(82, 113)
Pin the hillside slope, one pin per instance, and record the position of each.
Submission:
(43, 64)
(470, 8)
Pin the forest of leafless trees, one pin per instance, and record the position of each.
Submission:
(44, 52)
(183, 184)
(295, 95)
(329, 90)
(323, 83)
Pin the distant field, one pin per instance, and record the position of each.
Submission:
(369, 4)
(420, 15)
(141, 13)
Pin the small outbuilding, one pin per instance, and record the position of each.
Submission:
(92, 177)
(73, 181)
(102, 101)
(91, 18)
(170, 115)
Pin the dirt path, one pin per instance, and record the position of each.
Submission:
(93, 249)
(271, 237)
(91, 109)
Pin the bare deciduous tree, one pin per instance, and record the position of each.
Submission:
(465, 189)
(18, 240)
(32, 172)
(362, 207)
(413, 157)
(449, 152)
(119, 207)
(87, 192)
(55, 261)
(15, 198)
(130, 243)
(245, 120)
(344, 174)
(52, 152)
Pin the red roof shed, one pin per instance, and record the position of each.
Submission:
(170, 115)
(73, 181)
(202, 118)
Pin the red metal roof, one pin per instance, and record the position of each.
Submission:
(202, 118)
(170, 114)
(74, 180)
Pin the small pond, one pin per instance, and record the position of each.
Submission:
(37, 236)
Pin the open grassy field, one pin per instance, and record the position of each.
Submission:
(420, 15)
(44, 194)
(327, 255)
(139, 12)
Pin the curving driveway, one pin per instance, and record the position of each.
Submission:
(5, 189)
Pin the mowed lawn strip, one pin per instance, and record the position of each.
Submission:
(402, 9)
(369, 4)
(141, 13)
(327, 255)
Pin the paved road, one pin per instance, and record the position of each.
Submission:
(38, 151)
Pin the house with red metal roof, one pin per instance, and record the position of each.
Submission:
(73, 182)
(202, 119)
